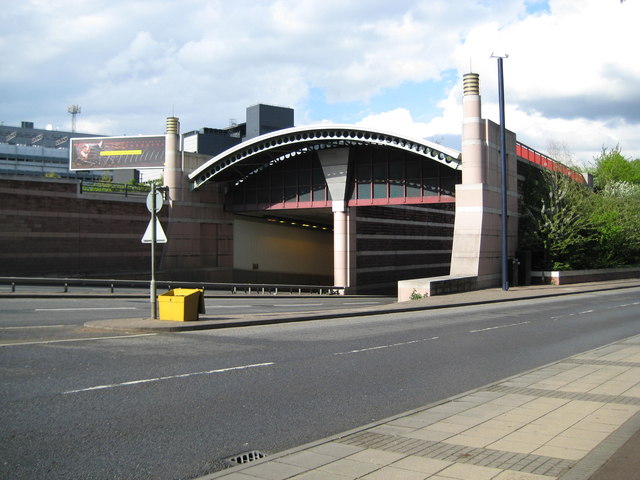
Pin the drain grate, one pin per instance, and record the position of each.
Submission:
(246, 457)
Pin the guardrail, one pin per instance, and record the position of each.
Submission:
(110, 285)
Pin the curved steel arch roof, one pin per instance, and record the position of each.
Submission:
(247, 158)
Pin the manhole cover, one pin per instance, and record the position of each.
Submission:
(246, 457)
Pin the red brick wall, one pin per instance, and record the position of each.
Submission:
(50, 229)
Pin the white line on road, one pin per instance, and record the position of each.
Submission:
(298, 304)
(361, 303)
(82, 309)
(228, 306)
(497, 327)
(34, 326)
(380, 347)
(76, 340)
(169, 377)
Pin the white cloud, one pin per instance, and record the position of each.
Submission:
(571, 75)
(569, 78)
(397, 121)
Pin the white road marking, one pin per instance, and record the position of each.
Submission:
(228, 306)
(169, 377)
(76, 340)
(35, 326)
(380, 347)
(497, 327)
(361, 303)
(82, 309)
(298, 304)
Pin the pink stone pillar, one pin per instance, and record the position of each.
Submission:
(173, 177)
(473, 137)
(341, 248)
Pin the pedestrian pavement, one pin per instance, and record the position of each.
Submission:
(214, 319)
(560, 421)
(575, 419)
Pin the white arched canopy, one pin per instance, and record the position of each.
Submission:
(236, 164)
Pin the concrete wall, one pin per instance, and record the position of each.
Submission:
(429, 287)
(264, 252)
(582, 276)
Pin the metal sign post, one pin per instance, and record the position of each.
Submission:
(154, 205)
(153, 296)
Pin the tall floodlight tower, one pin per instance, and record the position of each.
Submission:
(74, 110)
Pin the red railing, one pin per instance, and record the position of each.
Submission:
(533, 156)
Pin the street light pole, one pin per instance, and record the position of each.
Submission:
(503, 159)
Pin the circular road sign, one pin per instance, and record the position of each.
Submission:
(159, 201)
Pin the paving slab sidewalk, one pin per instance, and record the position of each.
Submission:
(576, 419)
(561, 421)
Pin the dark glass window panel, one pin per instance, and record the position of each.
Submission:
(363, 173)
(380, 170)
(413, 188)
(263, 195)
(430, 169)
(318, 193)
(364, 190)
(380, 190)
(318, 176)
(430, 186)
(396, 169)
(304, 193)
(250, 194)
(290, 194)
(412, 168)
(396, 190)
(448, 185)
(290, 178)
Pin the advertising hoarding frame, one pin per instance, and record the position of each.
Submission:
(117, 153)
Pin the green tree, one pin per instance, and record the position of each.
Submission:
(569, 226)
(616, 229)
(554, 225)
(612, 167)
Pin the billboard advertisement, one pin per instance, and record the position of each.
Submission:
(110, 153)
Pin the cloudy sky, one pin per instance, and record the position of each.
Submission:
(572, 78)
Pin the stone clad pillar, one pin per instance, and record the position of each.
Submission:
(340, 249)
(476, 247)
(335, 166)
(473, 155)
(173, 160)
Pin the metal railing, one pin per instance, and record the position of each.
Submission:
(111, 285)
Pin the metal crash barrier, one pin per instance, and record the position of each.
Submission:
(110, 285)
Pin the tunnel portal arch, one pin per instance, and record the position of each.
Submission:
(387, 199)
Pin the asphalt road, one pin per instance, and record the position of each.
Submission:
(79, 403)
